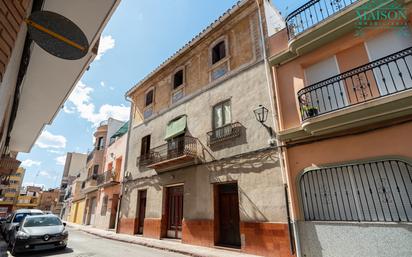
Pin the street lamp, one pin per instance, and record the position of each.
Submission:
(261, 115)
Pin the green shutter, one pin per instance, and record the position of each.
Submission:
(176, 127)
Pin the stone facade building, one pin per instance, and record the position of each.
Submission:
(199, 165)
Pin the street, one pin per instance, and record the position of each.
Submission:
(85, 245)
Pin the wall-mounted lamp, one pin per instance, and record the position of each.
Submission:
(261, 114)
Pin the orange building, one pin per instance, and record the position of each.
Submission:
(344, 101)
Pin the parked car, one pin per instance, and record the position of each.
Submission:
(15, 218)
(40, 232)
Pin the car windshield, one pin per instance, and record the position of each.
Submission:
(42, 222)
(20, 216)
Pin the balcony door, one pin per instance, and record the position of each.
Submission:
(325, 98)
(174, 211)
(175, 146)
(388, 76)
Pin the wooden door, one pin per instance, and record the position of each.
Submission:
(113, 211)
(174, 211)
(229, 228)
(142, 210)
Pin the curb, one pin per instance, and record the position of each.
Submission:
(137, 243)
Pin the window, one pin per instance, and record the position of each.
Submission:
(178, 79)
(149, 98)
(222, 114)
(218, 52)
(145, 147)
(95, 170)
(100, 143)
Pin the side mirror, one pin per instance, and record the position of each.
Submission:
(64, 224)
(16, 227)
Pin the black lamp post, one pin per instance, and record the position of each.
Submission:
(261, 114)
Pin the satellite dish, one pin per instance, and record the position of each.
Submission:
(57, 35)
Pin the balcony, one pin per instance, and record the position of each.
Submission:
(176, 153)
(223, 133)
(312, 13)
(374, 92)
(90, 184)
(90, 155)
(108, 178)
(319, 22)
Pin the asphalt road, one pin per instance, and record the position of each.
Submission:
(85, 245)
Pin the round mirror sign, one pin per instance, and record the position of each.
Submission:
(57, 35)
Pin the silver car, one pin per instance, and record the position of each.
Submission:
(15, 218)
(41, 232)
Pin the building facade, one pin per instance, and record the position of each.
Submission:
(96, 165)
(29, 198)
(10, 192)
(343, 95)
(48, 201)
(109, 181)
(74, 165)
(199, 166)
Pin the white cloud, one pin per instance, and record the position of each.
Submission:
(102, 84)
(29, 163)
(106, 43)
(48, 140)
(81, 100)
(44, 174)
(68, 109)
(111, 88)
(55, 151)
(61, 160)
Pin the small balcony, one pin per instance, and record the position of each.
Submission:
(374, 92)
(108, 178)
(176, 153)
(90, 184)
(312, 13)
(223, 133)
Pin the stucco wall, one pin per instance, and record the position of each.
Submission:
(199, 119)
(328, 239)
(261, 193)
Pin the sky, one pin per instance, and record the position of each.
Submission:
(139, 37)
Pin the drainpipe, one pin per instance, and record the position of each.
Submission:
(126, 158)
(274, 113)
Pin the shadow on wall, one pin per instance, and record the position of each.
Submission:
(345, 239)
(229, 170)
(152, 182)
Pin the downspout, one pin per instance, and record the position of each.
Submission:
(126, 158)
(275, 115)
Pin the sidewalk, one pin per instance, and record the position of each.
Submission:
(172, 246)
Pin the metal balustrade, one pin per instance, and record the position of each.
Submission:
(377, 191)
(174, 148)
(385, 76)
(223, 133)
(107, 177)
(312, 13)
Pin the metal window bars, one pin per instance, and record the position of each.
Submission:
(376, 191)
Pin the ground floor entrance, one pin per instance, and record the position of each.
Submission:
(228, 215)
(174, 211)
(113, 211)
(142, 194)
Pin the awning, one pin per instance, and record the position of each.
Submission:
(176, 127)
(122, 130)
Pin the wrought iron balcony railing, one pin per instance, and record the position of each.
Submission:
(312, 13)
(90, 155)
(223, 133)
(175, 148)
(383, 77)
(107, 177)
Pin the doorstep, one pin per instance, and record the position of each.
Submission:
(163, 244)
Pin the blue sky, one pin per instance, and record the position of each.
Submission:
(139, 37)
